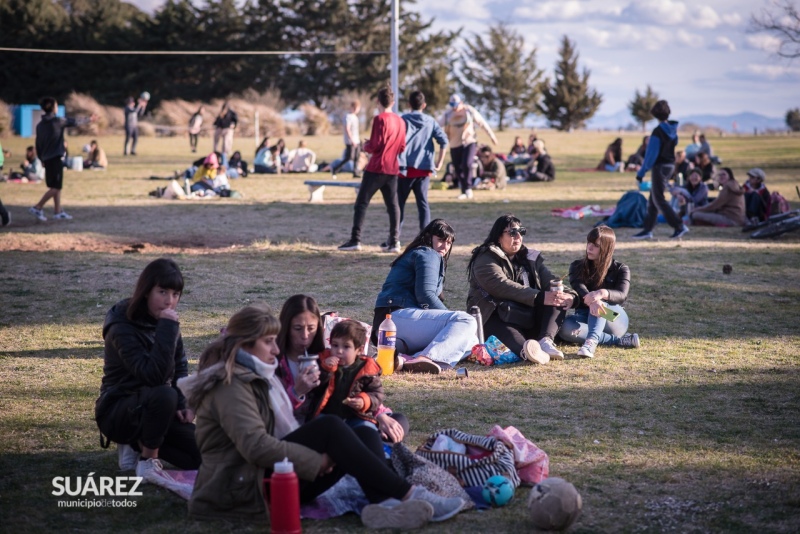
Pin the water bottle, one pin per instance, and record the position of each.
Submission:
(387, 337)
(476, 313)
(284, 492)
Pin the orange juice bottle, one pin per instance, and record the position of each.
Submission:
(387, 335)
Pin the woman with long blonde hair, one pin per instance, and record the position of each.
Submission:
(245, 424)
(602, 284)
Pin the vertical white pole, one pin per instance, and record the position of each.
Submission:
(394, 59)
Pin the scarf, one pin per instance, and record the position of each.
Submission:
(278, 399)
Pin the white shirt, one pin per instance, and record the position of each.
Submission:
(351, 125)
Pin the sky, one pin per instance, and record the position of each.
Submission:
(699, 55)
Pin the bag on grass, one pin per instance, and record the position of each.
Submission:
(532, 463)
(486, 456)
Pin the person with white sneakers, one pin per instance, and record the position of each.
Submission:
(602, 284)
(140, 406)
(512, 287)
(246, 424)
(459, 124)
(51, 150)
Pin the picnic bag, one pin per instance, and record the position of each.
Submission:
(486, 456)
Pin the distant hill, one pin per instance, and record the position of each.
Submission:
(745, 122)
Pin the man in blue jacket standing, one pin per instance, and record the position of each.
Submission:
(660, 156)
(416, 163)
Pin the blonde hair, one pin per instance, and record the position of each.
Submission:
(244, 328)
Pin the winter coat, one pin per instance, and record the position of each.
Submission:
(234, 435)
(617, 282)
(493, 278)
(729, 203)
(366, 384)
(141, 353)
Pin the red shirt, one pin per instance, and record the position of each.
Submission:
(387, 141)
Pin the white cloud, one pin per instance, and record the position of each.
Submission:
(692, 40)
(668, 12)
(565, 10)
(602, 68)
(704, 17)
(762, 41)
(723, 43)
(732, 19)
(773, 72)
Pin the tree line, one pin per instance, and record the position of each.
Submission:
(498, 73)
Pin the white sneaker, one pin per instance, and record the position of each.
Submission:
(395, 514)
(333, 176)
(443, 507)
(532, 351)
(63, 215)
(469, 194)
(36, 212)
(127, 457)
(550, 348)
(587, 350)
(152, 471)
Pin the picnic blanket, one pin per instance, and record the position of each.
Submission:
(579, 212)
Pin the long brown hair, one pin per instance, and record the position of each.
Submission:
(594, 272)
(243, 330)
(294, 306)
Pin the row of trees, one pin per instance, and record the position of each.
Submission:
(495, 73)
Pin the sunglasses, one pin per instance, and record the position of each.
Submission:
(514, 232)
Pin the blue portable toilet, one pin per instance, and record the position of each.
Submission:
(27, 116)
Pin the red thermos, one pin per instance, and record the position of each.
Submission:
(284, 491)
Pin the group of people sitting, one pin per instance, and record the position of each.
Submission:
(275, 159)
(31, 168)
(254, 399)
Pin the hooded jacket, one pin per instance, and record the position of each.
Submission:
(366, 384)
(493, 278)
(660, 148)
(729, 203)
(234, 429)
(50, 136)
(138, 354)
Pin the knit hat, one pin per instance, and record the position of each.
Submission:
(211, 160)
(757, 173)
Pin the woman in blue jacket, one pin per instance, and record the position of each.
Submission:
(431, 336)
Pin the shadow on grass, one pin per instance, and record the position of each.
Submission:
(711, 457)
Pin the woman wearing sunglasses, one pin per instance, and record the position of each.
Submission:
(510, 284)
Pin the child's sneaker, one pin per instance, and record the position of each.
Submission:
(532, 351)
(36, 212)
(550, 348)
(126, 457)
(629, 341)
(443, 507)
(587, 350)
(63, 215)
(400, 515)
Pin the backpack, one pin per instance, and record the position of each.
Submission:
(777, 204)
(630, 211)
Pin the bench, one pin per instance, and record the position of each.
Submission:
(316, 188)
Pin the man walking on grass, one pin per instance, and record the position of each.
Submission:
(387, 141)
(417, 162)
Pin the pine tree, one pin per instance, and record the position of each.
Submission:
(641, 105)
(793, 119)
(569, 102)
(499, 76)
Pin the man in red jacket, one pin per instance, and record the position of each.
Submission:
(387, 141)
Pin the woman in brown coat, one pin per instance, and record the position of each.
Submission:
(728, 208)
(245, 424)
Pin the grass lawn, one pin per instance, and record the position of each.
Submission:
(697, 431)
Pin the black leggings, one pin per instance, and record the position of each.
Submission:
(149, 417)
(547, 321)
(330, 434)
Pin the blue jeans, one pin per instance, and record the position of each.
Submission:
(443, 336)
(582, 325)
